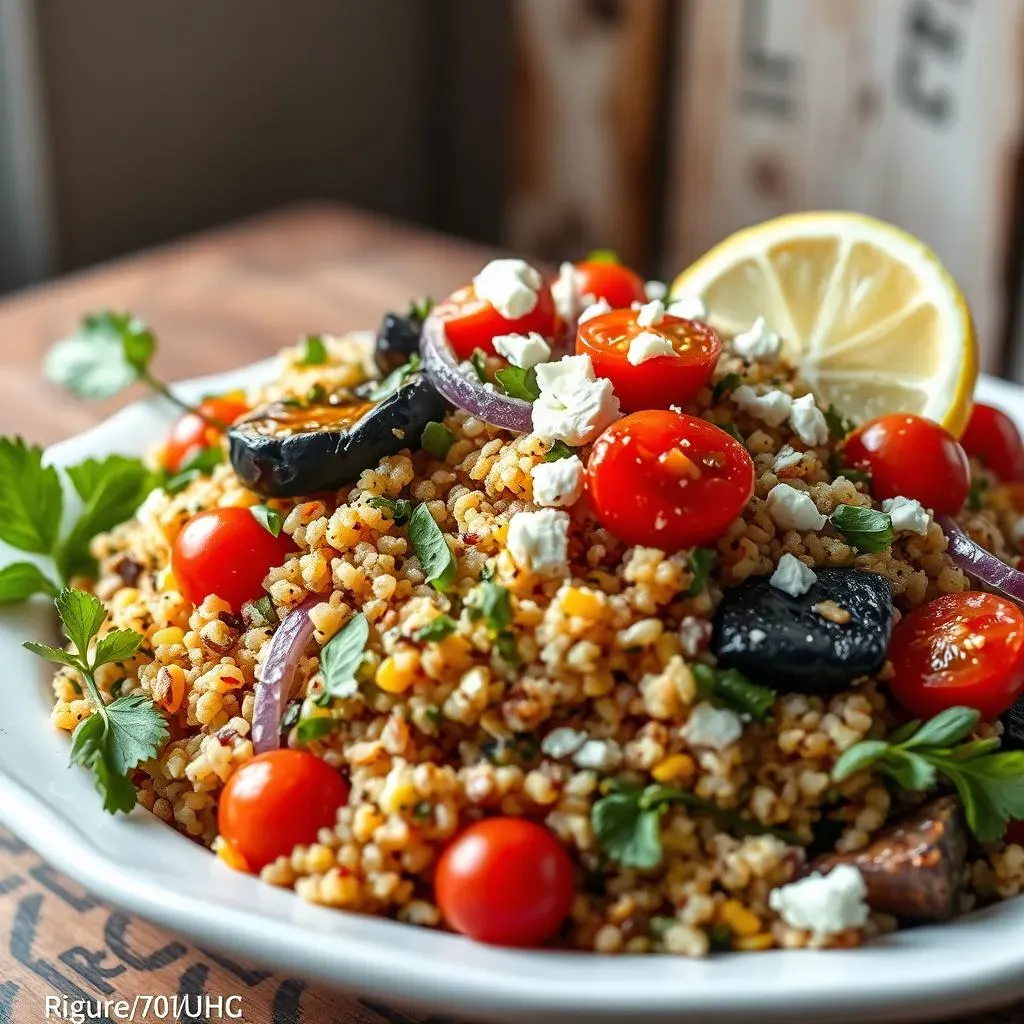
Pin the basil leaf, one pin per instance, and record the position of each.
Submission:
(109, 352)
(730, 382)
(397, 510)
(866, 529)
(437, 439)
(945, 729)
(395, 379)
(438, 628)
(314, 351)
(309, 729)
(431, 548)
(558, 450)
(31, 501)
(342, 655)
(858, 757)
(519, 383)
(269, 518)
(699, 564)
(20, 580)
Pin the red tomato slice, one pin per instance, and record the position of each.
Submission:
(619, 286)
(655, 383)
(470, 323)
(994, 438)
(191, 434)
(960, 649)
(667, 480)
(912, 457)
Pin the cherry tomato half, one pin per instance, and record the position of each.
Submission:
(619, 286)
(960, 649)
(470, 323)
(666, 480)
(191, 434)
(655, 383)
(912, 457)
(276, 801)
(505, 881)
(225, 551)
(994, 438)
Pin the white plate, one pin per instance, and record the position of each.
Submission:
(143, 866)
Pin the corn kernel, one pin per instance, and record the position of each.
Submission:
(169, 635)
(391, 679)
(753, 943)
(675, 768)
(165, 580)
(230, 856)
(667, 646)
(742, 921)
(169, 690)
(582, 603)
(397, 797)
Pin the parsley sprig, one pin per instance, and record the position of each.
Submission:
(118, 736)
(989, 781)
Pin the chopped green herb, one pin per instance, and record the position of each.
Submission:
(699, 563)
(855, 476)
(20, 580)
(316, 394)
(976, 494)
(314, 351)
(269, 518)
(342, 655)
(437, 439)
(866, 529)
(419, 309)
(422, 809)
(730, 382)
(838, 425)
(259, 613)
(202, 463)
(397, 510)
(395, 379)
(493, 603)
(431, 548)
(439, 627)
(433, 714)
(479, 363)
(731, 688)
(309, 729)
(519, 383)
(558, 450)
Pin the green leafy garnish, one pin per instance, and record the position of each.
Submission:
(269, 518)
(439, 627)
(431, 548)
(309, 729)
(397, 510)
(732, 689)
(730, 382)
(603, 256)
(732, 431)
(479, 363)
(866, 529)
(395, 379)
(437, 439)
(203, 463)
(519, 383)
(838, 425)
(558, 450)
(990, 782)
(118, 736)
(419, 309)
(493, 603)
(31, 502)
(342, 655)
(314, 351)
(20, 580)
(855, 476)
(976, 494)
(260, 612)
(699, 563)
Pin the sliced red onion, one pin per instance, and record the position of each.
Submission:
(466, 392)
(277, 675)
(982, 564)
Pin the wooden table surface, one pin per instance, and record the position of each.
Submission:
(216, 301)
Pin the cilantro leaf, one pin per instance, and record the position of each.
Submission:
(82, 615)
(397, 510)
(269, 518)
(31, 501)
(519, 383)
(431, 548)
(117, 645)
(20, 580)
(438, 628)
(109, 352)
(54, 654)
(866, 529)
(558, 450)
(135, 731)
(437, 439)
(699, 563)
(342, 655)
(314, 351)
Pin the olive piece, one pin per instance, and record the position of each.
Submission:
(786, 642)
(285, 449)
(397, 339)
(1013, 726)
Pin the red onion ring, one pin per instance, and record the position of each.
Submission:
(442, 368)
(982, 564)
(277, 675)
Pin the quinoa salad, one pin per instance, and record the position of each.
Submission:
(555, 614)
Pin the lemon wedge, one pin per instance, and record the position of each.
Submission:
(868, 314)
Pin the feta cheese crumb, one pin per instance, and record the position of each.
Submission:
(773, 407)
(689, 307)
(907, 514)
(648, 345)
(758, 342)
(651, 314)
(595, 309)
(559, 482)
(656, 290)
(693, 634)
(510, 286)
(823, 904)
(792, 577)
(786, 457)
(713, 727)
(600, 755)
(523, 350)
(540, 541)
(794, 510)
(574, 406)
(562, 742)
(757, 636)
(808, 421)
(566, 293)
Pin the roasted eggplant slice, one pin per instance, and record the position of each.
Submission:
(282, 449)
(816, 643)
(397, 339)
(913, 870)
(1013, 726)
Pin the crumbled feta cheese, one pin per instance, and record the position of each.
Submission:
(907, 514)
(823, 904)
(693, 634)
(808, 421)
(648, 345)
(651, 313)
(510, 286)
(713, 727)
(559, 482)
(600, 755)
(794, 510)
(594, 309)
(566, 292)
(757, 636)
(786, 457)
(523, 350)
(689, 307)
(574, 406)
(772, 407)
(562, 742)
(792, 577)
(758, 342)
(540, 540)
(656, 290)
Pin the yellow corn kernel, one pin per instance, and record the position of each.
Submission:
(230, 856)
(168, 635)
(169, 690)
(667, 646)
(679, 465)
(165, 580)
(391, 678)
(397, 797)
(753, 943)
(675, 768)
(742, 921)
(582, 603)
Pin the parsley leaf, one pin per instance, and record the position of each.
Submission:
(20, 580)
(314, 351)
(838, 425)
(395, 379)
(558, 450)
(109, 352)
(82, 615)
(269, 518)
(397, 510)
(438, 628)
(437, 439)
(342, 655)
(519, 383)
(730, 382)
(31, 501)
(699, 563)
(866, 529)
(431, 548)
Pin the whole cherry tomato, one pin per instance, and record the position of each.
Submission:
(668, 481)
(654, 383)
(276, 801)
(227, 552)
(960, 649)
(994, 438)
(505, 881)
(470, 323)
(191, 434)
(619, 286)
(912, 457)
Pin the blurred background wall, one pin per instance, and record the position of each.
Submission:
(654, 127)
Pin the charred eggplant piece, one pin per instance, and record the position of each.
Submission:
(397, 339)
(1013, 726)
(284, 449)
(786, 642)
(914, 869)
